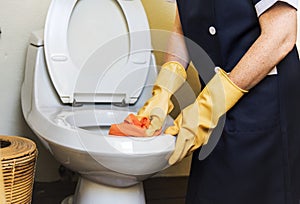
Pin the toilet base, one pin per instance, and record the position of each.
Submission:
(89, 192)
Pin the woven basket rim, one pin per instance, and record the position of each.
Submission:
(18, 160)
(19, 147)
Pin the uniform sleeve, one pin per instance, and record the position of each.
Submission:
(262, 5)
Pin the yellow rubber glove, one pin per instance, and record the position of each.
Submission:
(196, 122)
(170, 78)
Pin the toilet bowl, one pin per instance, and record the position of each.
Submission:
(90, 67)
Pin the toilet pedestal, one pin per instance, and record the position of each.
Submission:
(89, 192)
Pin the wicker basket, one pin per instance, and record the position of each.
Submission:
(18, 157)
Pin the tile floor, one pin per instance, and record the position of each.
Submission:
(166, 190)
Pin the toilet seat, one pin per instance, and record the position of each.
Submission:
(85, 68)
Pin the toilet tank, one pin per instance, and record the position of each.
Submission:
(37, 89)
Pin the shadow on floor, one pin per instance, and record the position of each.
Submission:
(165, 190)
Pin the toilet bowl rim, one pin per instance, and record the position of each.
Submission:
(67, 136)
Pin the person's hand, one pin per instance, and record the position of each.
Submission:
(196, 122)
(170, 78)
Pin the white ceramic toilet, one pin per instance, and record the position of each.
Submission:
(90, 67)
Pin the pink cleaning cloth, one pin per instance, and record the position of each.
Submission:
(132, 126)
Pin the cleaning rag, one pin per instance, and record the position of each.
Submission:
(132, 126)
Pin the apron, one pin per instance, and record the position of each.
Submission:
(257, 159)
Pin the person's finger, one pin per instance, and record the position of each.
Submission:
(155, 125)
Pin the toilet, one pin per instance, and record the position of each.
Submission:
(90, 67)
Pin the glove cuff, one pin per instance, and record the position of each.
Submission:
(225, 75)
(171, 76)
(231, 92)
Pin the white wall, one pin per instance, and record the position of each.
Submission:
(17, 19)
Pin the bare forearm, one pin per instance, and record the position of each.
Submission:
(177, 50)
(278, 36)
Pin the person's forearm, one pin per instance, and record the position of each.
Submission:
(278, 37)
(177, 50)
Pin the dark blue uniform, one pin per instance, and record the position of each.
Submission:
(257, 159)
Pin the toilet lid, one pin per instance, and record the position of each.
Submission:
(97, 51)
